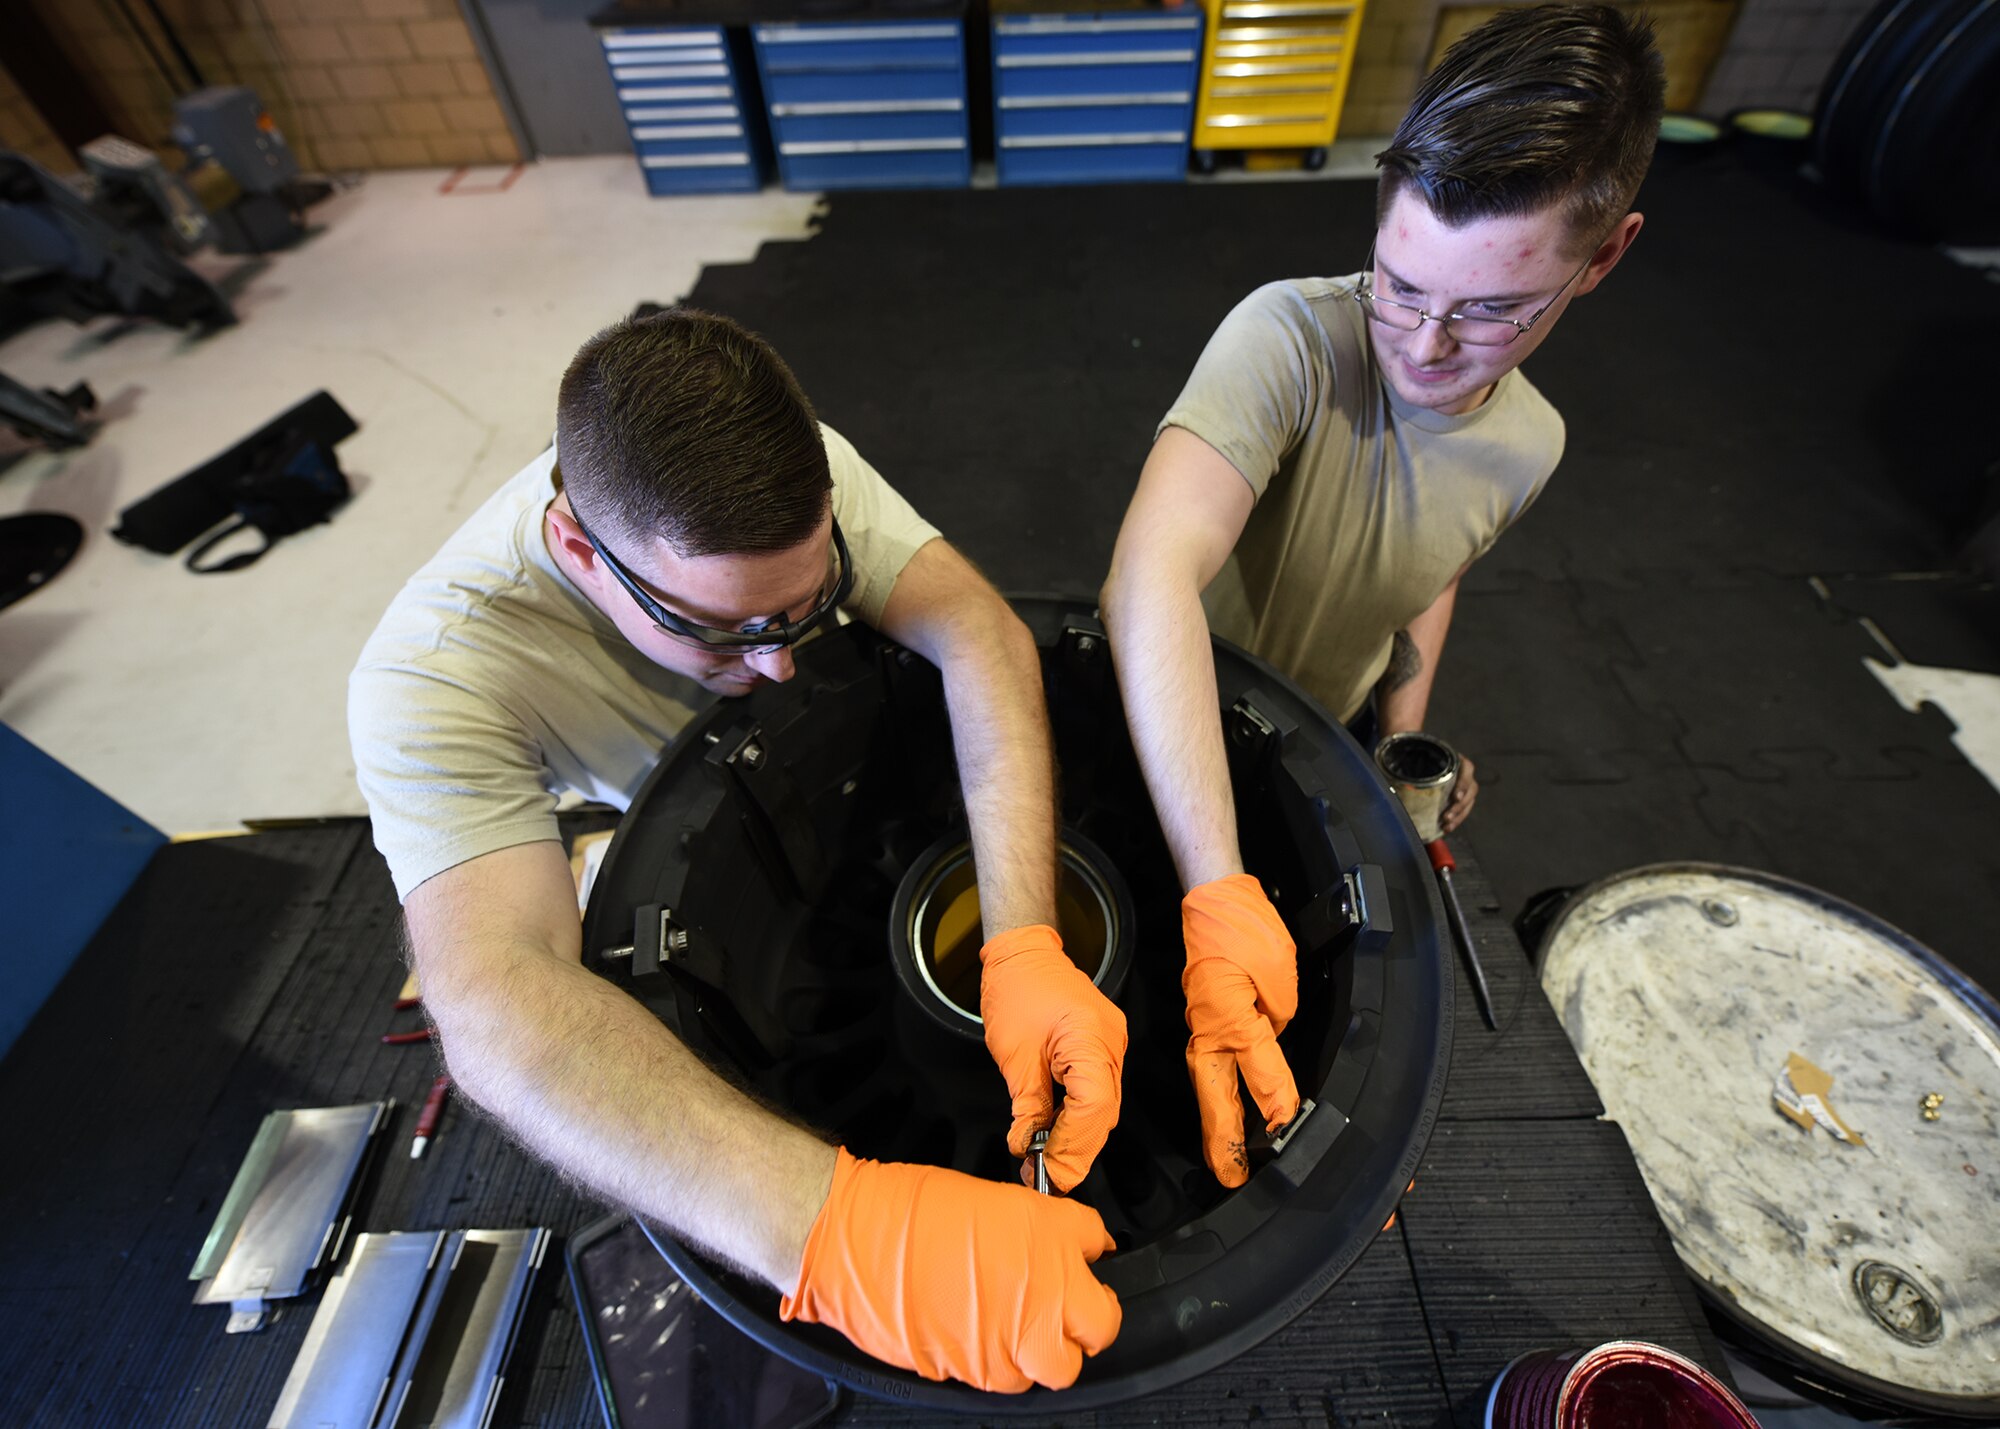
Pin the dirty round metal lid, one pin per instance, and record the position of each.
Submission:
(1860, 1229)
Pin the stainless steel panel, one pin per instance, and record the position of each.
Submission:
(290, 1223)
(344, 1369)
(250, 1177)
(455, 1385)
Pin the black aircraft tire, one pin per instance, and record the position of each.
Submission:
(1933, 170)
(1893, 42)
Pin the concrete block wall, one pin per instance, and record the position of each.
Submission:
(1779, 53)
(353, 84)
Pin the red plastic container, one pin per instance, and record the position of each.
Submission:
(1626, 1384)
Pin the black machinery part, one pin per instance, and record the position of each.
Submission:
(745, 899)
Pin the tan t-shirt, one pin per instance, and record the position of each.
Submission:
(1367, 507)
(492, 686)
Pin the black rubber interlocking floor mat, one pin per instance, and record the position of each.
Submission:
(1762, 393)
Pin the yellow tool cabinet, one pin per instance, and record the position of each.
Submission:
(1274, 75)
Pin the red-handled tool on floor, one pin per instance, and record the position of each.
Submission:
(1442, 861)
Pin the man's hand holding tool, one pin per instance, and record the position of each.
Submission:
(1242, 987)
(1047, 1023)
(952, 1276)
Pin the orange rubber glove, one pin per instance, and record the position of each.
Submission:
(1242, 986)
(1046, 1022)
(955, 1277)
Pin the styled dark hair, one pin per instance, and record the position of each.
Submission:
(685, 426)
(1554, 104)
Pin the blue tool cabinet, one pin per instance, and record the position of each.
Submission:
(684, 102)
(1094, 98)
(867, 103)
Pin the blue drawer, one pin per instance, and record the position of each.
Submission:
(1094, 164)
(790, 49)
(887, 169)
(816, 129)
(1168, 122)
(719, 178)
(1151, 79)
(653, 140)
(887, 87)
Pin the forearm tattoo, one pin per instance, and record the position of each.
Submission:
(1406, 662)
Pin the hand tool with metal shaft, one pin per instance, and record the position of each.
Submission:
(1441, 860)
(1039, 1149)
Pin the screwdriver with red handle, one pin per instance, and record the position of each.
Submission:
(1442, 861)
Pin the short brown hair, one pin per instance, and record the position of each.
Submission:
(1554, 104)
(683, 425)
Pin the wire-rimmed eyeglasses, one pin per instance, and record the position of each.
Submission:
(1469, 328)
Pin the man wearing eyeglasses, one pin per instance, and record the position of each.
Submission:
(1344, 450)
(692, 523)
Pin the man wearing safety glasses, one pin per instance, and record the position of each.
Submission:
(1344, 450)
(692, 523)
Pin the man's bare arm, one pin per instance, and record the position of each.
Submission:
(592, 1082)
(946, 611)
(1190, 509)
(1403, 694)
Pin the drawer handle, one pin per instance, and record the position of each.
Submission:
(833, 35)
(684, 91)
(1110, 57)
(807, 147)
(692, 111)
(652, 40)
(1090, 141)
(1090, 27)
(815, 108)
(693, 161)
(1268, 50)
(1091, 101)
(1251, 70)
(688, 131)
(1252, 91)
(1282, 10)
(1247, 121)
(672, 72)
